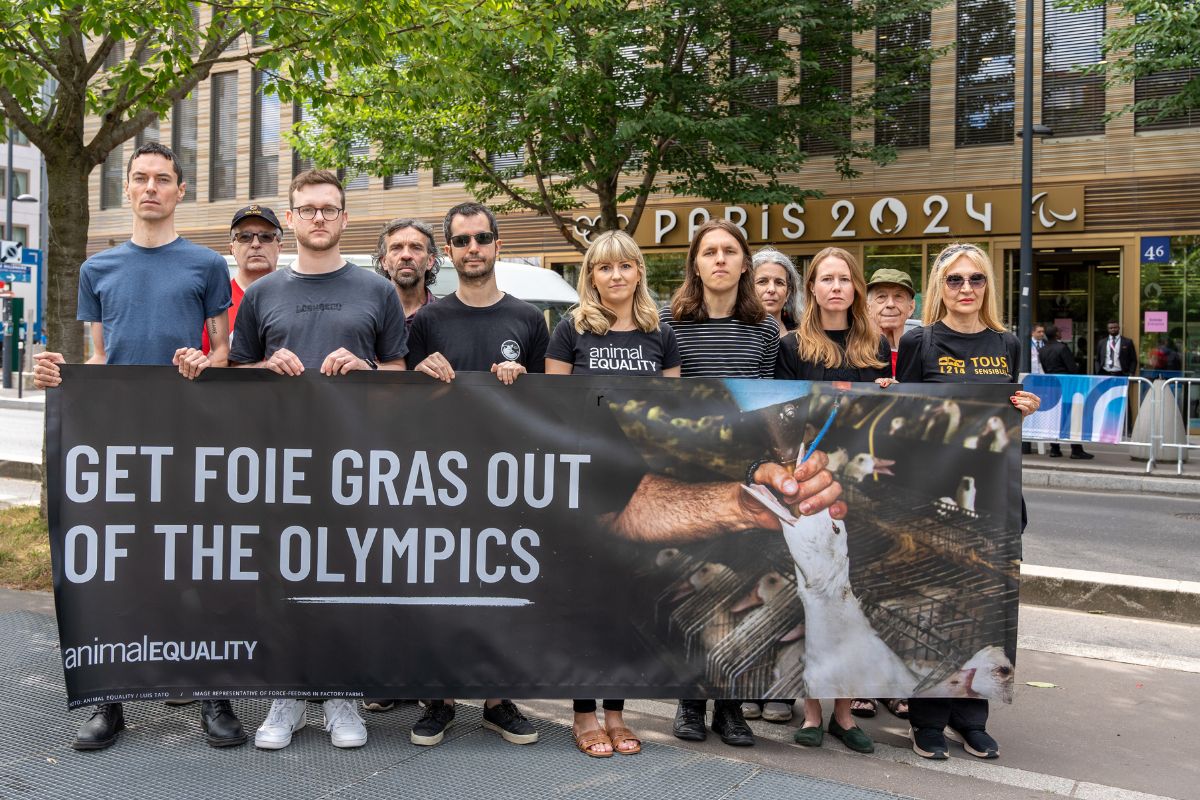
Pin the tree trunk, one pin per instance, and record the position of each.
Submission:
(67, 176)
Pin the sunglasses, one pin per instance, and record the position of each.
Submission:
(977, 280)
(246, 237)
(464, 239)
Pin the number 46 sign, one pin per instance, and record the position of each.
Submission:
(1156, 249)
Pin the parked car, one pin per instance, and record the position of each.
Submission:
(543, 288)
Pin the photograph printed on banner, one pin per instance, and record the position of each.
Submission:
(913, 593)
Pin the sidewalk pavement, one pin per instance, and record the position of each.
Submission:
(1106, 730)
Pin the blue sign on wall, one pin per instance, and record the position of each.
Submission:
(1156, 250)
(31, 256)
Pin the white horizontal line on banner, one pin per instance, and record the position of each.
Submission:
(417, 601)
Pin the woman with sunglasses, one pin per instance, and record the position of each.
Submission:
(835, 341)
(778, 287)
(962, 341)
(616, 318)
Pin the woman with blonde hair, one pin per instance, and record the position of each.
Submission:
(962, 341)
(613, 331)
(836, 339)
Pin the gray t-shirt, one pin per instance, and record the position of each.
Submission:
(313, 315)
(152, 300)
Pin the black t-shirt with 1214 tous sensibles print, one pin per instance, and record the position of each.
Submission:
(937, 354)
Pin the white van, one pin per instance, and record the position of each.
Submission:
(543, 288)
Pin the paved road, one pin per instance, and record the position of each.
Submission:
(1157, 537)
(21, 435)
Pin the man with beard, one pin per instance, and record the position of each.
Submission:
(407, 256)
(326, 313)
(147, 301)
(255, 239)
(478, 328)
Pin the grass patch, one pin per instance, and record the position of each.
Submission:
(24, 549)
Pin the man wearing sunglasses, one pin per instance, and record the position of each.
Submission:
(478, 328)
(255, 239)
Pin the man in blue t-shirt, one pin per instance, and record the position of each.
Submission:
(141, 312)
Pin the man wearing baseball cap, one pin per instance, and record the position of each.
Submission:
(891, 301)
(255, 239)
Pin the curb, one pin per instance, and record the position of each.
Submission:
(21, 470)
(32, 404)
(1125, 483)
(1128, 595)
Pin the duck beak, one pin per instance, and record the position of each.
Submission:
(795, 634)
(883, 465)
(752, 599)
(682, 590)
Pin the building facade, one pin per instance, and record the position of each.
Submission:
(1117, 222)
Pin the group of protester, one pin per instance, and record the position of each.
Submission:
(159, 299)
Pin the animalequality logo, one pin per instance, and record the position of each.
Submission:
(952, 366)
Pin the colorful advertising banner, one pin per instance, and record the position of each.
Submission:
(384, 535)
(1077, 408)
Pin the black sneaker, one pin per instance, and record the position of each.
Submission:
(730, 725)
(978, 743)
(929, 743)
(510, 723)
(430, 729)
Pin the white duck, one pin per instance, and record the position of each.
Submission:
(705, 580)
(865, 465)
(988, 674)
(843, 651)
(993, 439)
(963, 502)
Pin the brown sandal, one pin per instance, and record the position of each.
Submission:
(619, 736)
(588, 739)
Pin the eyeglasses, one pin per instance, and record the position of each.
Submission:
(464, 239)
(246, 237)
(977, 280)
(328, 212)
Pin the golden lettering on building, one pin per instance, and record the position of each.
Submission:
(965, 215)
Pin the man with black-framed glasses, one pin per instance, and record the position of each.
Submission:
(255, 239)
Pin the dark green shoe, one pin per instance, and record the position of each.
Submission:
(810, 737)
(855, 738)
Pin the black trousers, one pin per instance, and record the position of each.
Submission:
(589, 706)
(960, 713)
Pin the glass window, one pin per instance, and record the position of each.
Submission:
(826, 88)
(299, 163)
(183, 140)
(400, 179)
(1072, 104)
(20, 178)
(985, 96)
(112, 178)
(222, 153)
(264, 138)
(904, 124)
(1173, 289)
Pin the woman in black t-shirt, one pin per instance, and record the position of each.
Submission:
(962, 341)
(835, 341)
(613, 331)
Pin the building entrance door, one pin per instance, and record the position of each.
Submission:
(1079, 290)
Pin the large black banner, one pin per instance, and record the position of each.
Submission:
(385, 535)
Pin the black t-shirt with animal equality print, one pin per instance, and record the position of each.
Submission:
(937, 354)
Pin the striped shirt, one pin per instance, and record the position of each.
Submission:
(725, 347)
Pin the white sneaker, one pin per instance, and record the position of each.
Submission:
(751, 710)
(774, 711)
(285, 718)
(345, 726)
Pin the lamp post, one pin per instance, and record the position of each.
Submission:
(1026, 134)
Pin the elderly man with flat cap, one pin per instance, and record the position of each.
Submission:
(891, 301)
(255, 239)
